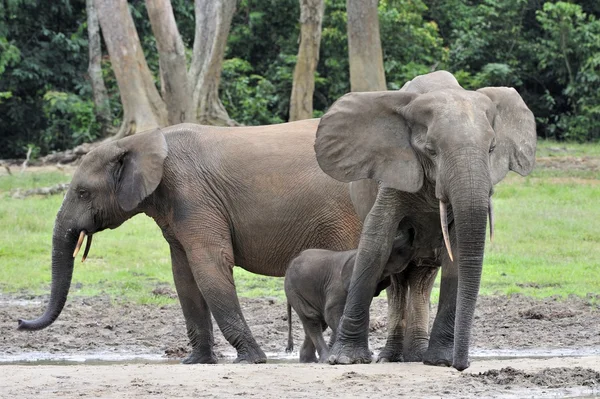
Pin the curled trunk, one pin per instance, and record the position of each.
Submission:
(63, 244)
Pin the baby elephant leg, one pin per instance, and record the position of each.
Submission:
(314, 340)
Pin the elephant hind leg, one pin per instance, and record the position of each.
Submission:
(397, 294)
(212, 267)
(314, 341)
(416, 339)
(308, 351)
(195, 310)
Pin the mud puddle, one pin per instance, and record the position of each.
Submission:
(132, 357)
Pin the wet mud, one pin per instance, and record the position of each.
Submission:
(522, 347)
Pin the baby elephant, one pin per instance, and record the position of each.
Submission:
(316, 286)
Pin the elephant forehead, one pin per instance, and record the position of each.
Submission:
(95, 165)
(453, 106)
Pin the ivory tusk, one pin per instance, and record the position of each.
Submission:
(88, 245)
(79, 242)
(491, 216)
(444, 221)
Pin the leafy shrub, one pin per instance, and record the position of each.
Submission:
(248, 98)
(71, 120)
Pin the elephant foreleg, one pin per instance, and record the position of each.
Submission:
(351, 345)
(397, 294)
(441, 341)
(195, 310)
(212, 266)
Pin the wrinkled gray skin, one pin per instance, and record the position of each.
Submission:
(428, 144)
(248, 196)
(316, 286)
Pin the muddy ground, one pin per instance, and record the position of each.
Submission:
(524, 348)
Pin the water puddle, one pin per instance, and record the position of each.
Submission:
(100, 358)
(107, 358)
(19, 302)
(532, 353)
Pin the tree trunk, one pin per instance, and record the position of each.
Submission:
(213, 20)
(101, 103)
(143, 108)
(175, 89)
(364, 46)
(311, 18)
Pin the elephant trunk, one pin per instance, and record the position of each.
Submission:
(469, 197)
(63, 244)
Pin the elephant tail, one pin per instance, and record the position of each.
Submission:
(290, 345)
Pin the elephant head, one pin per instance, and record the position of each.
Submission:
(107, 189)
(435, 137)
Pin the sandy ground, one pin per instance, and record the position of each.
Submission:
(521, 348)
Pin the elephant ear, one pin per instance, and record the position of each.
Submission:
(516, 137)
(364, 136)
(139, 167)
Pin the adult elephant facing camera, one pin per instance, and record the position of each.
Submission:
(248, 196)
(437, 150)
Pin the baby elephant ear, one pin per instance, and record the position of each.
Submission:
(516, 136)
(140, 167)
(364, 136)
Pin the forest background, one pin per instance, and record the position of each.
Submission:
(549, 51)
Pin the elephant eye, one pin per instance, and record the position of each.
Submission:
(493, 146)
(430, 150)
(83, 194)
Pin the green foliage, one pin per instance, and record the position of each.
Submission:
(569, 53)
(548, 50)
(71, 120)
(248, 97)
(411, 45)
(46, 43)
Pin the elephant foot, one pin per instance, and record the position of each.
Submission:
(390, 356)
(438, 357)
(350, 353)
(200, 358)
(416, 352)
(251, 356)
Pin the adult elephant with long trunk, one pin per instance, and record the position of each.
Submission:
(437, 150)
(248, 196)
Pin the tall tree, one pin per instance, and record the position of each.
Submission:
(143, 108)
(99, 93)
(213, 21)
(175, 87)
(311, 20)
(364, 46)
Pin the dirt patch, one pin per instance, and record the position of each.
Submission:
(100, 324)
(559, 377)
(90, 326)
(569, 163)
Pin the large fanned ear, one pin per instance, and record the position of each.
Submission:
(516, 137)
(139, 167)
(364, 136)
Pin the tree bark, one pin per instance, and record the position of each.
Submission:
(175, 89)
(143, 108)
(311, 19)
(213, 20)
(364, 46)
(100, 95)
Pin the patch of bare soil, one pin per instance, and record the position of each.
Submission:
(558, 377)
(569, 163)
(98, 325)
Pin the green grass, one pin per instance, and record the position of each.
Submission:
(547, 240)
